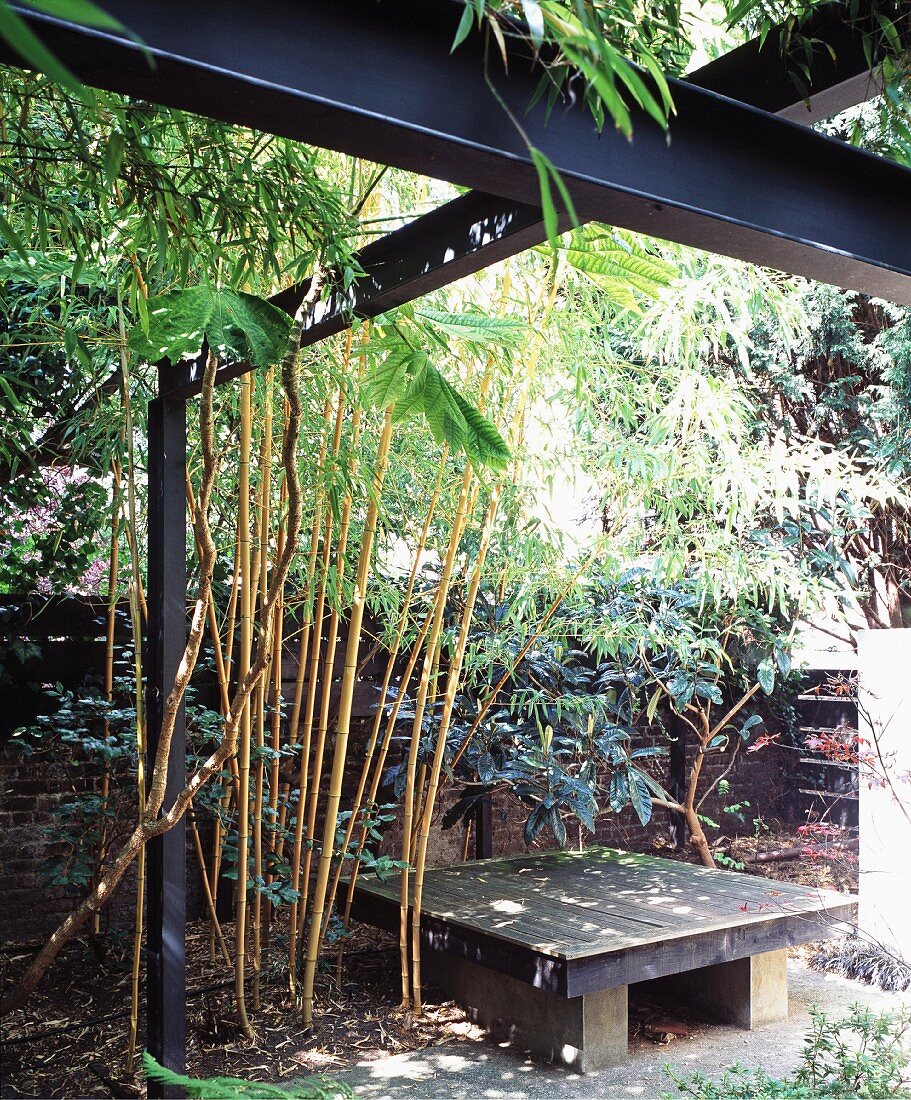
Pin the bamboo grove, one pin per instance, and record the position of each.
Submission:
(401, 476)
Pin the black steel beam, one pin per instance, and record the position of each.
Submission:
(458, 238)
(765, 73)
(478, 229)
(377, 80)
(166, 870)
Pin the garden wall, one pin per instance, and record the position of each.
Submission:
(33, 788)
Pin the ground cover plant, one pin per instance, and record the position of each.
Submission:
(863, 1055)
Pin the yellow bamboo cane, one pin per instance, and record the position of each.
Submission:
(331, 645)
(452, 684)
(113, 569)
(297, 910)
(433, 641)
(265, 471)
(349, 676)
(243, 667)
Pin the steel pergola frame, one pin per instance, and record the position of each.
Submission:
(378, 81)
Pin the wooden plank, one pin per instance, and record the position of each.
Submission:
(604, 904)
(566, 931)
(571, 939)
(640, 962)
(570, 871)
(663, 909)
(543, 971)
(707, 881)
(680, 954)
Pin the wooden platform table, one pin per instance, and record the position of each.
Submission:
(541, 949)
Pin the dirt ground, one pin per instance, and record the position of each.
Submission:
(71, 1039)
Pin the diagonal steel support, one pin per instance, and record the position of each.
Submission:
(458, 238)
(844, 61)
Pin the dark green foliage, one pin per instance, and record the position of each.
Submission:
(864, 960)
(863, 1055)
(89, 734)
(579, 725)
(561, 736)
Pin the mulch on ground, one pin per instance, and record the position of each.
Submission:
(71, 1038)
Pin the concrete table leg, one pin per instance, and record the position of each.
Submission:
(746, 992)
(586, 1033)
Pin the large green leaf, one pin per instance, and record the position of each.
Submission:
(455, 421)
(765, 674)
(639, 795)
(411, 404)
(387, 381)
(476, 328)
(619, 265)
(237, 326)
(442, 410)
(482, 441)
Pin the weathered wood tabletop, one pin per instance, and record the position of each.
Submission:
(572, 906)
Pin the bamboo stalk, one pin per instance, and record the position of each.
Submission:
(204, 878)
(136, 605)
(224, 705)
(311, 572)
(243, 667)
(298, 911)
(276, 738)
(433, 639)
(307, 625)
(331, 645)
(113, 569)
(231, 619)
(381, 702)
(260, 696)
(381, 757)
(349, 676)
(135, 617)
(452, 684)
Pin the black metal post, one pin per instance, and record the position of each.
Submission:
(483, 828)
(166, 871)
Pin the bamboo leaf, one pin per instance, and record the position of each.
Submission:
(78, 11)
(34, 52)
(13, 239)
(535, 20)
(463, 28)
(551, 221)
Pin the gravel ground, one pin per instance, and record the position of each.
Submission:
(479, 1068)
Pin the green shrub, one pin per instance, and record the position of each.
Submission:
(863, 1055)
